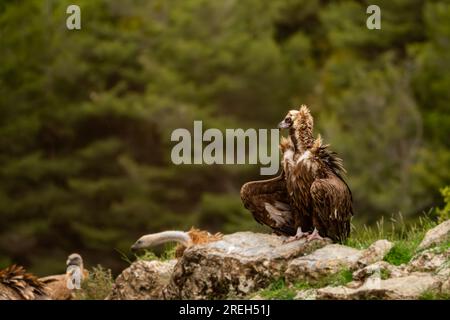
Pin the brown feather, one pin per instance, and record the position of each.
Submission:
(269, 203)
(17, 284)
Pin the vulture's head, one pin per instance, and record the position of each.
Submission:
(138, 245)
(288, 120)
(300, 119)
(145, 242)
(74, 260)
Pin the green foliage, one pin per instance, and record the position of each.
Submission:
(97, 286)
(148, 256)
(444, 247)
(400, 253)
(385, 274)
(279, 290)
(86, 116)
(341, 278)
(444, 213)
(405, 236)
(167, 254)
(431, 295)
(397, 230)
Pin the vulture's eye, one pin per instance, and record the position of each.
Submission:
(288, 120)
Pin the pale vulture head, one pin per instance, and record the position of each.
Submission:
(288, 120)
(74, 260)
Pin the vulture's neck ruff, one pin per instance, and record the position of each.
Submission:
(301, 132)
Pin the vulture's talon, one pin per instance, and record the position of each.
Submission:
(299, 235)
(314, 236)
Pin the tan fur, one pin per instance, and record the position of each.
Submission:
(198, 237)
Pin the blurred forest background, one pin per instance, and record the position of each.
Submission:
(86, 116)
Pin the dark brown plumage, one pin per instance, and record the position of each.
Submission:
(314, 180)
(324, 190)
(310, 193)
(17, 284)
(269, 203)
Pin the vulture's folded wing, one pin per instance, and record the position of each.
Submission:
(57, 287)
(332, 204)
(54, 278)
(268, 201)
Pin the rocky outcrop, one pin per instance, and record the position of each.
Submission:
(241, 264)
(403, 288)
(430, 260)
(374, 253)
(143, 280)
(380, 269)
(309, 294)
(427, 272)
(237, 265)
(325, 261)
(332, 259)
(436, 236)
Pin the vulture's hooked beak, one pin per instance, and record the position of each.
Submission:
(136, 246)
(70, 262)
(283, 125)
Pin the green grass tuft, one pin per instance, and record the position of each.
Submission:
(406, 237)
(97, 286)
(167, 254)
(395, 230)
(401, 252)
(442, 247)
(385, 274)
(279, 290)
(339, 279)
(430, 295)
